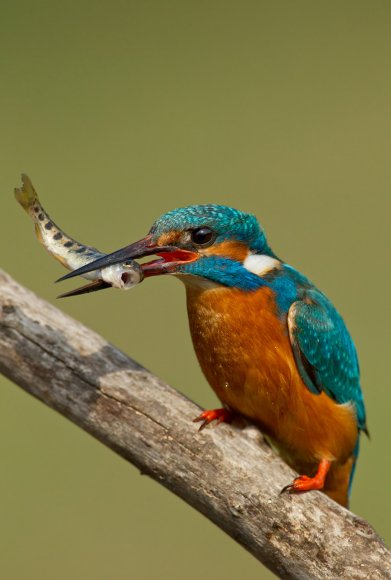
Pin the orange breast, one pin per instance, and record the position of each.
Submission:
(245, 353)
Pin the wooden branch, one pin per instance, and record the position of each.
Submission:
(231, 476)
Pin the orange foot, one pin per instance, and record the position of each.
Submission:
(219, 415)
(305, 483)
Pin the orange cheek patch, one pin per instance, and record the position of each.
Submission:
(169, 238)
(235, 250)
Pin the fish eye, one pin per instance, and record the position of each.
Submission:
(203, 236)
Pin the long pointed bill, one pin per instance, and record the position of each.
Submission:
(92, 287)
(139, 249)
(171, 257)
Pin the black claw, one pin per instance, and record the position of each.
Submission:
(203, 424)
(287, 488)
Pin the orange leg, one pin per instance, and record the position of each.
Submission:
(219, 415)
(305, 483)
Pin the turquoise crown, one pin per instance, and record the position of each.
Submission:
(228, 224)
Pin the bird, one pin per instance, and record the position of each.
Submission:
(271, 345)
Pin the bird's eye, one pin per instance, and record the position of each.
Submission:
(202, 236)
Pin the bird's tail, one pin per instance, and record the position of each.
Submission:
(353, 469)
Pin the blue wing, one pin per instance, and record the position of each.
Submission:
(324, 351)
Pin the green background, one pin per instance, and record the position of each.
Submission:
(121, 110)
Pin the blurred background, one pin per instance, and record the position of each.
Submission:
(120, 110)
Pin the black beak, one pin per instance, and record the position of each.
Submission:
(144, 247)
(92, 287)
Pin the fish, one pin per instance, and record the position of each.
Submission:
(73, 254)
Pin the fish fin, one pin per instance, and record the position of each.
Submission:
(26, 195)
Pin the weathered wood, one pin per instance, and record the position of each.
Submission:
(231, 476)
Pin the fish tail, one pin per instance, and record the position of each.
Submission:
(26, 195)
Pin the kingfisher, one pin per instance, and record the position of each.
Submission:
(271, 345)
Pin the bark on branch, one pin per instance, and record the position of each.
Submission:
(231, 476)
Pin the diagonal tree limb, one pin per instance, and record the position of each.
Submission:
(231, 477)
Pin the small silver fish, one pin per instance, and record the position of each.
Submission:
(71, 253)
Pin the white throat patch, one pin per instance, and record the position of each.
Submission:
(260, 264)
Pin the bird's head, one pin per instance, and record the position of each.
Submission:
(207, 241)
